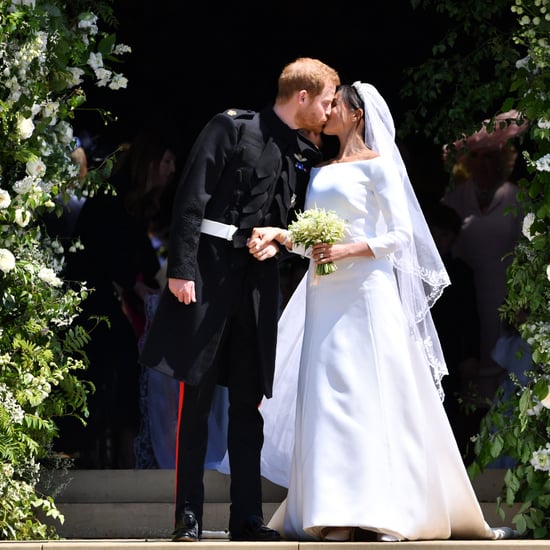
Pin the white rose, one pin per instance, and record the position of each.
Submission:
(527, 223)
(546, 401)
(64, 132)
(5, 199)
(25, 127)
(48, 275)
(22, 217)
(7, 260)
(35, 167)
(50, 110)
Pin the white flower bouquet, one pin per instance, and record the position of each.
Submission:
(317, 225)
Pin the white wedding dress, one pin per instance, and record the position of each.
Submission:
(373, 446)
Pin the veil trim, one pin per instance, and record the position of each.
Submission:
(420, 272)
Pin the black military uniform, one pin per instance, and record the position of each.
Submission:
(244, 171)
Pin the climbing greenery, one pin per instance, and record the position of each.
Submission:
(48, 51)
(495, 56)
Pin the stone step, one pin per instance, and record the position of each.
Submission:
(138, 504)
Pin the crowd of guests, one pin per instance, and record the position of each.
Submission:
(123, 233)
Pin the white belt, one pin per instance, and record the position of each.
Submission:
(218, 229)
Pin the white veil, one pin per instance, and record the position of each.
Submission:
(420, 272)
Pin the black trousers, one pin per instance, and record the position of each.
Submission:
(245, 431)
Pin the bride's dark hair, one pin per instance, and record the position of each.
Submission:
(350, 96)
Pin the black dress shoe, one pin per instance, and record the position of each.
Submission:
(187, 530)
(256, 530)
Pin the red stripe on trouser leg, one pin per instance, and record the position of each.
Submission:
(180, 407)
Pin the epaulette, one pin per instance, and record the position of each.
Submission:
(240, 113)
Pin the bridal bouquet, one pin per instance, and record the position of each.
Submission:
(317, 225)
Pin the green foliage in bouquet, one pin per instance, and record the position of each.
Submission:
(317, 225)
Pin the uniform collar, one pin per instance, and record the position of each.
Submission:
(277, 128)
(305, 153)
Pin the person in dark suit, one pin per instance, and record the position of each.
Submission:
(216, 322)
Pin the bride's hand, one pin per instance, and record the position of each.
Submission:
(323, 253)
(262, 236)
(264, 241)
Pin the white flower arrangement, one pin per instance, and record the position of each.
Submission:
(5, 199)
(44, 54)
(543, 164)
(7, 260)
(540, 459)
(526, 225)
(317, 225)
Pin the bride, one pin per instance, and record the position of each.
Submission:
(356, 427)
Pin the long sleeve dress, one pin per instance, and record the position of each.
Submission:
(359, 434)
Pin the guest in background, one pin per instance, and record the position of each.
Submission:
(491, 226)
(515, 357)
(119, 264)
(61, 224)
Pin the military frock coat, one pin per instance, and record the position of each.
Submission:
(244, 169)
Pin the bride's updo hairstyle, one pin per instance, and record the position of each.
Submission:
(350, 96)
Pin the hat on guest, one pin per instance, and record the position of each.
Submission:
(506, 126)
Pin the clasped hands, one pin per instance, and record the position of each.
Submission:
(264, 243)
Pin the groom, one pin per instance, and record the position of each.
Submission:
(216, 322)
